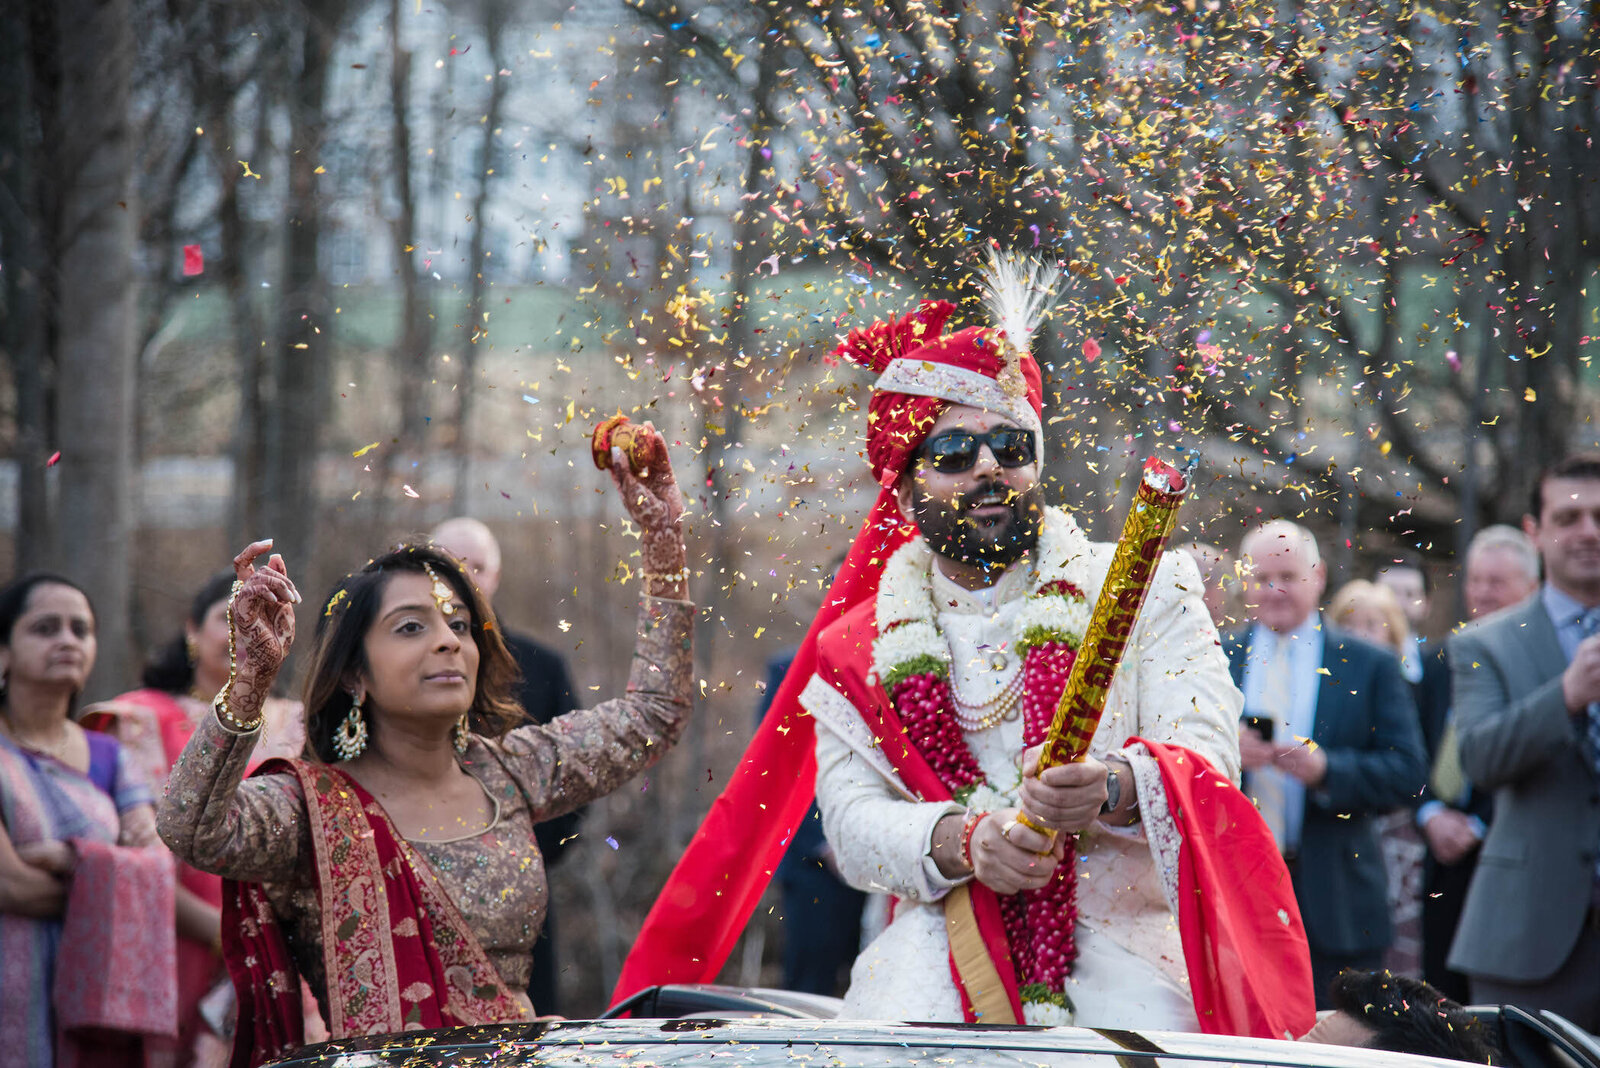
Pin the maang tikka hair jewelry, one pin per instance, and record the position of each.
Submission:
(443, 595)
(350, 737)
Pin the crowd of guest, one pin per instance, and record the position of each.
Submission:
(1362, 744)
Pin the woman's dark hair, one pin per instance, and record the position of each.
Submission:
(14, 598)
(171, 670)
(339, 650)
(1407, 1015)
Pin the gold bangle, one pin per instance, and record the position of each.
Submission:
(219, 703)
(671, 576)
(228, 721)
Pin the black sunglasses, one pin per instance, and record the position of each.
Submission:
(955, 451)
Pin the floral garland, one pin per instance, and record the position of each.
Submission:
(912, 660)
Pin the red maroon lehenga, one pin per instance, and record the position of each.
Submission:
(393, 934)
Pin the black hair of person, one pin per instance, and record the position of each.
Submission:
(171, 671)
(1406, 1015)
(1580, 465)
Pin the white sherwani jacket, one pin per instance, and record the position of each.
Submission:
(1173, 686)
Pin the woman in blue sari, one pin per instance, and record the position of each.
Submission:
(78, 878)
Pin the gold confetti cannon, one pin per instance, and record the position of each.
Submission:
(1133, 566)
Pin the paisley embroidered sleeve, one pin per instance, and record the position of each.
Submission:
(252, 831)
(1185, 694)
(881, 842)
(583, 755)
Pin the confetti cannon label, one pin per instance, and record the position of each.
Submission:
(1116, 611)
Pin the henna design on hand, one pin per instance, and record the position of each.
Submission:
(654, 501)
(262, 610)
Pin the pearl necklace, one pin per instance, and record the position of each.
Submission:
(991, 713)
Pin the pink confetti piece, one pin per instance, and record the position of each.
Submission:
(1091, 349)
(194, 261)
(55, 458)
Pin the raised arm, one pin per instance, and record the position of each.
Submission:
(210, 818)
(584, 755)
(1504, 739)
(580, 756)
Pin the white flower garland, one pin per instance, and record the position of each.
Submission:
(908, 621)
(1046, 1014)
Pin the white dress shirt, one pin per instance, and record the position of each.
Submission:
(1304, 648)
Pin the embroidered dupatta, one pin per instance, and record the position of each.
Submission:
(397, 953)
(118, 920)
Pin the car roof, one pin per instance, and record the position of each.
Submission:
(823, 1044)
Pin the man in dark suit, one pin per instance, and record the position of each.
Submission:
(1527, 715)
(545, 692)
(1330, 741)
(1501, 570)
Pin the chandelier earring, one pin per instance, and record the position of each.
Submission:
(461, 733)
(350, 737)
(191, 649)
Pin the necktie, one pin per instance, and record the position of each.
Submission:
(1590, 624)
(1448, 780)
(1267, 784)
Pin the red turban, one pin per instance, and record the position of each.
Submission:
(921, 371)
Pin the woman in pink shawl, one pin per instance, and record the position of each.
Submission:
(86, 906)
(153, 724)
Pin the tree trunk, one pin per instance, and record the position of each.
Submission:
(304, 344)
(95, 341)
(476, 325)
(26, 285)
(220, 96)
(411, 349)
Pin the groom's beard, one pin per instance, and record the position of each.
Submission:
(992, 543)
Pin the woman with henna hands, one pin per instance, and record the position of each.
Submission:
(395, 866)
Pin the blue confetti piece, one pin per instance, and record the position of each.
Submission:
(530, 400)
(612, 842)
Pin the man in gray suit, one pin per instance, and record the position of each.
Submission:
(1527, 715)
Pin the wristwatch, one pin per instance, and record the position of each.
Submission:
(1113, 791)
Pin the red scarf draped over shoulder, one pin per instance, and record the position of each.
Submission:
(980, 955)
(1244, 942)
(397, 953)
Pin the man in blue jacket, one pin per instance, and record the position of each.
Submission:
(1330, 741)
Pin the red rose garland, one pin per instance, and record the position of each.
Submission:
(1039, 923)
